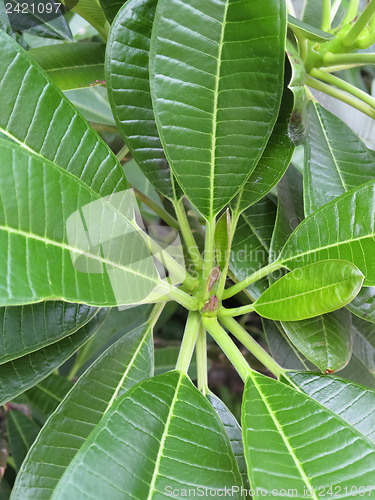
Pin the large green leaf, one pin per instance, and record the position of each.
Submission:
(19, 375)
(306, 292)
(127, 76)
(37, 115)
(22, 431)
(352, 402)
(72, 245)
(342, 229)
(26, 329)
(72, 65)
(325, 340)
(216, 82)
(251, 243)
(170, 438)
(363, 305)
(234, 433)
(294, 443)
(124, 364)
(273, 162)
(336, 160)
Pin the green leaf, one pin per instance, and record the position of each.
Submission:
(67, 256)
(342, 229)
(171, 437)
(363, 305)
(364, 343)
(72, 65)
(28, 328)
(251, 243)
(273, 162)
(336, 160)
(309, 291)
(93, 103)
(127, 76)
(111, 7)
(36, 114)
(325, 340)
(222, 236)
(301, 28)
(352, 402)
(47, 395)
(216, 83)
(124, 364)
(312, 13)
(291, 427)
(234, 433)
(21, 374)
(92, 11)
(22, 432)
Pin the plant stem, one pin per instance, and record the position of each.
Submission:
(209, 250)
(201, 353)
(326, 15)
(224, 273)
(228, 346)
(160, 211)
(340, 59)
(359, 25)
(122, 153)
(274, 266)
(250, 344)
(341, 84)
(351, 12)
(236, 311)
(183, 298)
(188, 235)
(342, 96)
(188, 341)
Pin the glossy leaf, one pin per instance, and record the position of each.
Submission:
(306, 292)
(72, 65)
(26, 329)
(22, 431)
(169, 432)
(234, 433)
(216, 83)
(342, 229)
(92, 11)
(37, 115)
(21, 374)
(290, 427)
(325, 340)
(251, 243)
(47, 395)
(46, 256)
(307, 31)
(363, 305)
(273, 162)
(336, 160)
(124, 364)
(352, 402)
(111, 7)
(127, 75)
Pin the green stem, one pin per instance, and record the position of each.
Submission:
(341, 84)
(238, 287)
(351, 12)
(122, 153)
(341, 95)
(224, 273)
(250, 344)
(160, 211)
(350, 38)
(228, 346)
(331, 59)
(236, 311)
(209, 250)
(188, 235)
(188, 341)
(326, 16)
(183, 298)
(201, 352)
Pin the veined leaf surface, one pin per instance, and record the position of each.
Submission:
(170, 437)
(216, 83)
(124, 364)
